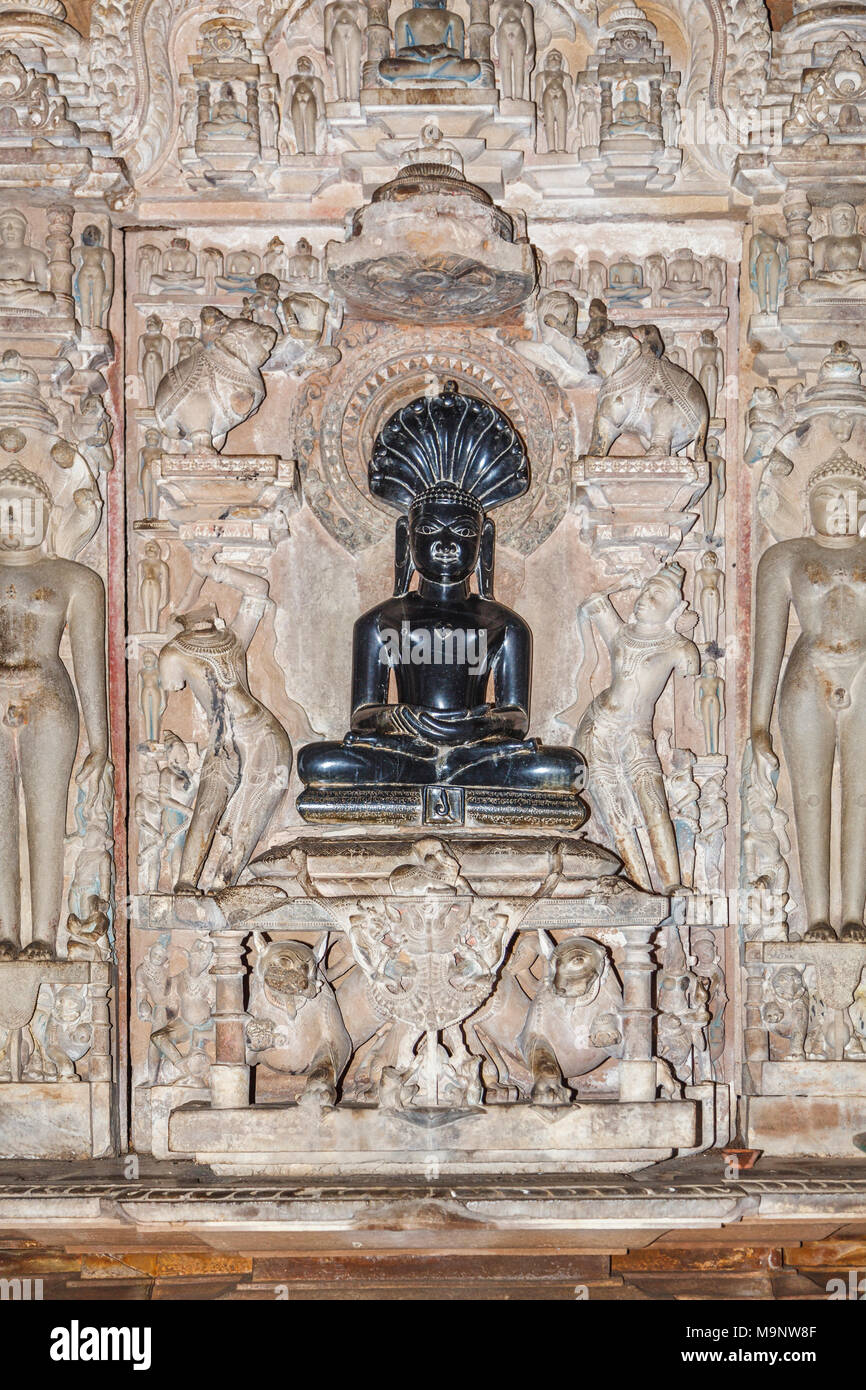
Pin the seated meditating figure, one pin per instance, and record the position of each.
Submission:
(837, 268)
(625, 283)
(178, 267)
(228, 121)
(444, 461)
(23, 269)
(428, 47)
(631, 116)
(685, 282)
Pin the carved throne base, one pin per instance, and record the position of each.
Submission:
(809, 1105)
(52, 1106)
(419, 942)
(442, 805)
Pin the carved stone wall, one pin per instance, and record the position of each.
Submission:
(234, 243)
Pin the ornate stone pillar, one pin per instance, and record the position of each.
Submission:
(230, 1075)
(637, 1069)
(798, 242)
(59, 243)
(378, 41)
(606, 106)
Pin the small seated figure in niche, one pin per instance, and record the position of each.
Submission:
(228, 121)
(444, 461)
(837, 268)
(685, 282)
(241, 269)
(625, 283)
(23, 269)
(631, 116)
(178, 267)
(429, 46)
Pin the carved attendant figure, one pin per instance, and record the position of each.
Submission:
(344, 44)
(40, 598)
(822, 701)
(616, 733)
(515, 46)
(23, 269)
(93, 281)
(153, 581)
(245, 769)
(553, 99)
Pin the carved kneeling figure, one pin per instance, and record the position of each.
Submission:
(295, 1024)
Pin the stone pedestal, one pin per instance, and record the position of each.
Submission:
(417, 1003)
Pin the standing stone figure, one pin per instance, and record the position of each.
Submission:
(41, 597)
(305, 100)
(344, 44)
(93, 280)
(553, 100)
(245, 769)
(153, 586)
(822, 698)
(616, 736)
(515, 47)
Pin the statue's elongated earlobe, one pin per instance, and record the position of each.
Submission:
(403, 566)
(484, 568)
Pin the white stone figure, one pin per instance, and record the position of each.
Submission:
(189, 1003)
(710, 585)
(764, 423)
(153, 585)
(685, 281)
(269, 118)
(345, 22)
(177, 789)
(787, 1011)
(93, 279)
(644, 392)
(838, 271)
(589, 115)
(656, 274)
(154, 353)
(23, 269)
(616, 735)
(708, 365)
(305, 103)
(856, 1044)
(716, 279)
(151, 698)
(710, 704)
(716, 488)
(245, 770)
(147, 263)
(670, 118)
(713, 809)
(152, 995)
(148, 456)
(42, 597)
(303, 264)
(822, 703)
(514, 26)
(765, 270)
(188, 118)
(275, 258)
(178, 268)
(553, 98)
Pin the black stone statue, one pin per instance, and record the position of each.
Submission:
(445, 751)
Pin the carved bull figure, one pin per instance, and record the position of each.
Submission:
(219, 384)
(646, 394)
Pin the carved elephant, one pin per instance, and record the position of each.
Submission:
(646, 394)
(294, 1022)
(218, 385)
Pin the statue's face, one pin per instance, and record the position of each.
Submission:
(835, 506)
(11, 231)
(23, 519)
(445, 538)
(576, 967)
(787, 984)
(843, 220)
(655, 603)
